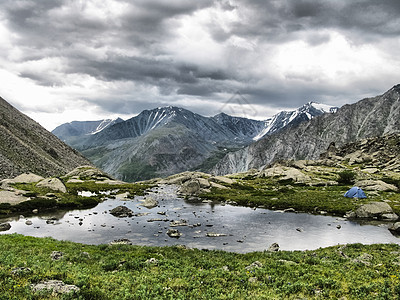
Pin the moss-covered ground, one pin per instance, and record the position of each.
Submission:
(121, 272)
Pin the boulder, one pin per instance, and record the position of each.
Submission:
(286, 173)
(53, 184)
(56, 286)
(254, 265)
(121, 212)
(11, 197)
(376, 185)
(377, 210)
(5, 226)
(395, 227)
(273, 248)
(121, 242)
(149, 202)
(56, 255)
(27, 178)
(174, 233)
(191, 187)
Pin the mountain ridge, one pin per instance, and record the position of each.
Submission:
(167, 140)
(369, 117)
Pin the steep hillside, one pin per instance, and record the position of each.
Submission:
(369, 117)
(25, 146)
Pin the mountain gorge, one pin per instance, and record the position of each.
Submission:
(370, 117)
(25, 146)
(168, 140)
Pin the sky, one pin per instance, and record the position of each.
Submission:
(65, 60)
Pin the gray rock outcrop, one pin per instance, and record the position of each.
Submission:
(56, 286)
(376, 210)
(53, 184)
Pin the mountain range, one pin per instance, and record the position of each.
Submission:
(370, 117)
(25, 146)
(168, 140)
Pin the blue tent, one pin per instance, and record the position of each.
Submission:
(355, 192)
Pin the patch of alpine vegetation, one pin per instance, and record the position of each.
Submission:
(27, 271)
(29, 193)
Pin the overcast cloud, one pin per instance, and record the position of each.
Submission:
(64, 60)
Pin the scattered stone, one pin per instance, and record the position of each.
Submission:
(253, 279)
(214, 234)
(287, 262)
(152, 261)
(150, 202)
(254, 265)
(179, 223)
(225, 268)
(28, 222)
(291, 209)
(56, 255)
(174, 233)
(5, 226)
(364, 258)
(121, 242)
(20, 271)
(299, 229)
(163, 213)
(273, 248)
(56, 286)
(338, 226)
(121, 212)
(53, 184)
(35, 211)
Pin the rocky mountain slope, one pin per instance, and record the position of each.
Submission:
(169, 140)
(25, 146)
(370, 117)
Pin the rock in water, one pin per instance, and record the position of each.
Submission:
(174, 233)
(121, 212)
(5, 226)
(150, 202)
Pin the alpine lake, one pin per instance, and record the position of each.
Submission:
(201, 224)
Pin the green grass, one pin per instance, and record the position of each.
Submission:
(273, 193)
(121, 272)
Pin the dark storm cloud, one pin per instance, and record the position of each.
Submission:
(277, 20)
(136, 46)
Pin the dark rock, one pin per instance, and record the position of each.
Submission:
(5, 226)
(273, 248)
(56, 255)
(121, 212)
(174, 233)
